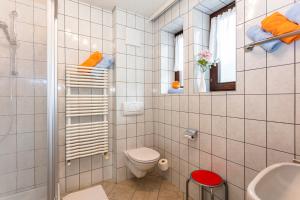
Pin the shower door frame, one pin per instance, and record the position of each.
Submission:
(52, 89)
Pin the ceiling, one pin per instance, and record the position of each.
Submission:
(175, 26)
(211, 6)
(143, 7)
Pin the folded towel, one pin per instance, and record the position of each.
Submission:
(93, 60)
(175, 91)
(105, 63)
(277, 24)
(293, 14)
(255, 33)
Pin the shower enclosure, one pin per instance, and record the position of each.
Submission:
(28, 89)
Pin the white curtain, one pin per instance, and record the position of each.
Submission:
(222, 44)
(179, 56)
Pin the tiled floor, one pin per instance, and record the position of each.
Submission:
(151, 187)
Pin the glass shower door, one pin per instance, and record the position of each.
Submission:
(24, 150)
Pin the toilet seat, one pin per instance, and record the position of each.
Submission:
(143, 155)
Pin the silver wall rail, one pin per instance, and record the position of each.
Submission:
(86, 100)
(249, 47)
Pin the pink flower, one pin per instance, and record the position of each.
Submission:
(205, 54)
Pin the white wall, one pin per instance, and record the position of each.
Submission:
(82, 30)
(243, 131)
(133, 82)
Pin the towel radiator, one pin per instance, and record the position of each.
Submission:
(86, 111)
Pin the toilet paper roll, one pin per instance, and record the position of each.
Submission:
(163, 164)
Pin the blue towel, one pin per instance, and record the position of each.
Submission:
(106, 63)
(256, 34)
(175, 91)
(293, 14)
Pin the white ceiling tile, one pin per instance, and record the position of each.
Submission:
(142, 7)
(211, 6)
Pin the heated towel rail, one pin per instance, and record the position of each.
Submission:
(249, 47)
(86, 111)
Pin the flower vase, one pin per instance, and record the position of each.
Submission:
(202, 83)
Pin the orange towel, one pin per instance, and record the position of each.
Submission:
(277, 24)
(93, 60)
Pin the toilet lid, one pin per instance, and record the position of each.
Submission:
(143, 155)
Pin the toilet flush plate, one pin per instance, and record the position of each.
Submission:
(92, 193)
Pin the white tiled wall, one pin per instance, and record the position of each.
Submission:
(133, 82)
(82, 30)
(23, 149)
(241, 132)
(198, 40)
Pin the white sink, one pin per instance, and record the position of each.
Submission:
(276, 182)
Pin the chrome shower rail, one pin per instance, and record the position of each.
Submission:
(249, 47)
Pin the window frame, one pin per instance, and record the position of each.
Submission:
(215, 85)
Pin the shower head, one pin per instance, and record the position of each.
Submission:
(10, 35)
(4, 27)
(12, 40)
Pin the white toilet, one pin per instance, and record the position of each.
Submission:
(141, 160)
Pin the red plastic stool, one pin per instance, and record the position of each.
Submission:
(206, 179)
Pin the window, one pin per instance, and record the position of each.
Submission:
(222, 44)
(179, 63)
(171, 57)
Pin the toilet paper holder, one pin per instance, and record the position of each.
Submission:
(190, 133)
